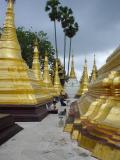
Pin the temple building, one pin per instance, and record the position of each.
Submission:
(72, 85)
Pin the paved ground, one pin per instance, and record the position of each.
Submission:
(42, 141)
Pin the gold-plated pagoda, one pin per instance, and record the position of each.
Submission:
(57, 83)
(36, 63)
(94, 71)
(98, 124)
(16, 86)
(72, 72)
(47, 78)
(9, 45)
(84, 81)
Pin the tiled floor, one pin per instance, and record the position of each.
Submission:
(42, 141)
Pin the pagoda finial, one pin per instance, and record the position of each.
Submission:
(85, 76)
(36, 63)
(72, 72)
(9, 45)
(84, 81)
(57, 83)
(46, 76)
(94, 71)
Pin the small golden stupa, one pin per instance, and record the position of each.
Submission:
(47, 81)
(83, 82)
(17, 89)
(93, 76)
(72, 72)
(57, 84)
(36, 68)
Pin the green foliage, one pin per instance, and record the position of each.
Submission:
(68, 23)
(52, 7)
(27, 38)
(65, 14)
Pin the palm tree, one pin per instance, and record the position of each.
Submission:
(65, 14)
(71, 32)
(52, 7)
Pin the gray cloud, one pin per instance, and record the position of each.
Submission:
(99, 22)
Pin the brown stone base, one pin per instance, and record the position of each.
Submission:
(7, 127)
(25, 113)
(53, 112)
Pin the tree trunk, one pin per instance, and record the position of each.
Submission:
(56, 39)
(64, 55)
(69, 56)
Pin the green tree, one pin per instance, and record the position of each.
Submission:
(27, 38)
(52, 7)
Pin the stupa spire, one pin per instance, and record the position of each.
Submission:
(72, 72)
(36, 63)
(57, 83)
(84, 81)
(94, 70)
(85, 73)
(9, 45)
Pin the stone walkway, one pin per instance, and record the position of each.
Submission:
(42, 141)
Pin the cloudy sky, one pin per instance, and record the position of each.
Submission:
(99, 22)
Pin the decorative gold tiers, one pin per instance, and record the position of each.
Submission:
(98, 127)
(17, 87)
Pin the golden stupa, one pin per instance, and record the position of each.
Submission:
(47, 80)
(84, 81)
(17, 88)
(72, 72)
(98, 126)
(93, 76)
(36, 68)
(57, 84)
